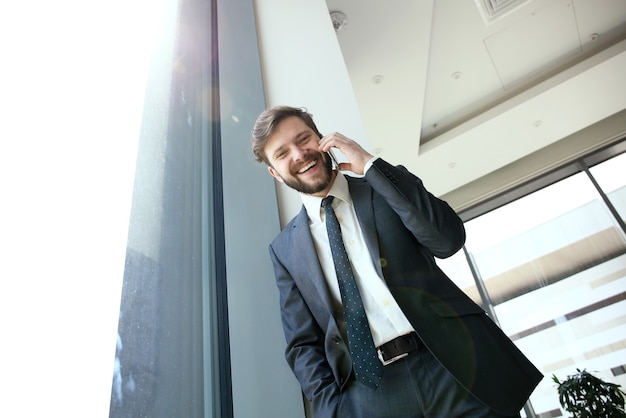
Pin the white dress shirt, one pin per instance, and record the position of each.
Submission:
(386, 319)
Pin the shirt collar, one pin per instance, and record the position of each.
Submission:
(313, 204)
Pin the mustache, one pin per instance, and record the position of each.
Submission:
(311, 157)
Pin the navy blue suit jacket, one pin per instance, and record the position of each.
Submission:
(404, 227)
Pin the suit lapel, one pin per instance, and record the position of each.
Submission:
(307, 271)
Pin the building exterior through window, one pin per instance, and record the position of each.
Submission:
(550, 268)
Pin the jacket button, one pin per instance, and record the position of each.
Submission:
(336, 339)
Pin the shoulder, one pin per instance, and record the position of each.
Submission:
(297, 222)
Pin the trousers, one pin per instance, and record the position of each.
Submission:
(416, 386)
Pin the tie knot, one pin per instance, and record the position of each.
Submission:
(327, 201)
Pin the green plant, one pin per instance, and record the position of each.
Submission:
(586, 396)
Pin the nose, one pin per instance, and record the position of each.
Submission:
(298, 153)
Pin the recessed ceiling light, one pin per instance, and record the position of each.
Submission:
(537, 123)
(456, 75)
(377, 79)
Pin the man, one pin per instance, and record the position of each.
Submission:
(442, 356)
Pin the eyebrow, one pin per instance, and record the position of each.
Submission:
(306, 131)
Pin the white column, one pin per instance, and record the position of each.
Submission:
(302, 66)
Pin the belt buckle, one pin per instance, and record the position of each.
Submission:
(391, 360)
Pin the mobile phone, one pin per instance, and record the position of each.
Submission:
(335, 163)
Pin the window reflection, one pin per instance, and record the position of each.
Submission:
(136, 355)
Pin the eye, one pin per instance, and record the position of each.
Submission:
(304, 138)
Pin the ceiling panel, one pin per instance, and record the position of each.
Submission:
(537, 42)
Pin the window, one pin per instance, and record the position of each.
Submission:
(172, 356)
(550, 267)
(610, 177)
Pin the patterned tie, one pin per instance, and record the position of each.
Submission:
(367, 368)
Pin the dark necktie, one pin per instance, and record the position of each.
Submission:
(367, 368)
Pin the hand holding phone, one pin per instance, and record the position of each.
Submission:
(356, 156)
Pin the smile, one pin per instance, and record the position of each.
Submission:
(307, 167)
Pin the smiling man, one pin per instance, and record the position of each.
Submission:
(373, 327)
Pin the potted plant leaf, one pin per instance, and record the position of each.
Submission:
(586, 396)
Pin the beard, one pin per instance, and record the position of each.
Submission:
(319, 184)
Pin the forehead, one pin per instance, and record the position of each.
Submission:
(286, 131)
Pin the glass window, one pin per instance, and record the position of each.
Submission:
(554, 266)
(168, 359)
(611, 176)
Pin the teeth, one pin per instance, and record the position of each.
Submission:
(307, 167)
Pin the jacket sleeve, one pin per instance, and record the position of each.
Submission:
(431, 220)
(305, 351)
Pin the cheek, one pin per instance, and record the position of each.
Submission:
(275, 174)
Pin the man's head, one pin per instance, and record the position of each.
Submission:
(266, 124)
(286, 139)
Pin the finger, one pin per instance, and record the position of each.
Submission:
(327, 142)
(334, 139)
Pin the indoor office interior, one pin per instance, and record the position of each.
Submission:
(136, 279)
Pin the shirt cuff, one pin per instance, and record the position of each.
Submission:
(369, 164)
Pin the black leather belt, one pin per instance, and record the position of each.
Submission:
(398, 348)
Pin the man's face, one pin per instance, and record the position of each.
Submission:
(295, 160)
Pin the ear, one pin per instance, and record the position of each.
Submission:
(275, 174)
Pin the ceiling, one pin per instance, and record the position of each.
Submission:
(437, 82)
